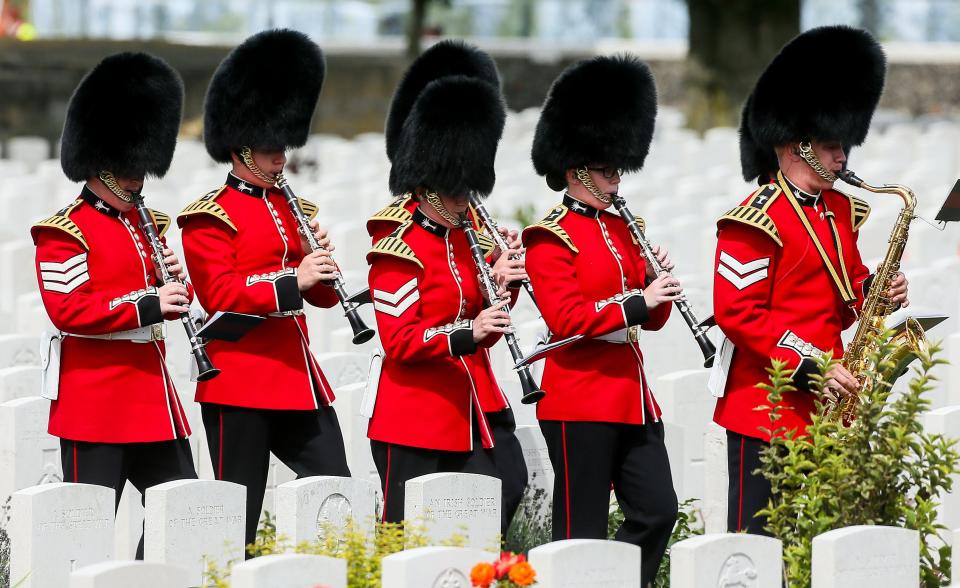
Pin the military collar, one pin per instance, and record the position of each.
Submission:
(430, 225)
(804, 198)
(242, 186)
(98, 204)
(580, 208)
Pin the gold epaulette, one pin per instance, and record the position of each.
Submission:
(207, 205)
(487, 244)
(395, 212)
(61, 221)
(394, 245)
(859, 211)
(551, 223)
(161, 219)
(309, 208)
(754, 212)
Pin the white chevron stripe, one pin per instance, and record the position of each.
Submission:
(743, 282)
(396, 310)
(69, 286)
(64, 276)
(395, 297)
(63, 265)
(744, 268)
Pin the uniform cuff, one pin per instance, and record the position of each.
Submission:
(148, 310)
(288, 294)
(635, 310)
(461, 340)
(802, 375)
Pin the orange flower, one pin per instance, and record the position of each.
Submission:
(507, 560)
(522, 574)
(482, 574)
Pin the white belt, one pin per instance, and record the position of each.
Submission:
(622, 337)
(147, 334)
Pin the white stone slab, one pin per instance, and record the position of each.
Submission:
(16, 349)
(29, 456)
(306, 507)
(20, 381)
(353, 426)
(540, 474)
(685, 401)
(586, 563)
(715, 481)
(127, 574)
(189, 520)
(342, 369)
(866, 557)
(432, 567)
(728, 559)
(57, 528)
(129, 525)
(946, 421)
(290, 570)
(456, 504)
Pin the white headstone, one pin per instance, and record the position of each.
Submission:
(456, 504)
(539, 468)
(686, 402)
(29, 456)
(129, 525)
(57, 528)
(189, 520)
(308, 507)
(432, 567)
(290, 570)
(20, 381)
(715, 481)
(946, 421)
(727, 560)
(342, 369)
(353, 426)
(866, 557)
(19, 350)
(583, 563)
(126, 574)
(955, 561)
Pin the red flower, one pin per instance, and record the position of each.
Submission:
(507, 560)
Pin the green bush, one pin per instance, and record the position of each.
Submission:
(882, 469)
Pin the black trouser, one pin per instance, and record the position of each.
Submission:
(399, 463)
(112, 464)
(241, 439)
(587, 458)
(748, 492)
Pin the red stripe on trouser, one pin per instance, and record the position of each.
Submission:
(220, 449)
(75, 473)
(386, 488)
(566, 475)
(740, 508)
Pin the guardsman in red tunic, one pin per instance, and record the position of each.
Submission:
(245, 255)
(599, 418)
(789, 277)
(438, 406)
(114, 405)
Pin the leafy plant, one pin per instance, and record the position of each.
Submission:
(883, 469)
(4, 545)
(531, 525)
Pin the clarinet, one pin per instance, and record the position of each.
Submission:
(699, 329)
(361, 332)
(205, 369)
(531, 392)
(491, 225)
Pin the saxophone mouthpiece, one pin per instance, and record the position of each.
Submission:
(849, 177)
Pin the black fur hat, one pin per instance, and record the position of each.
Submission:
(784, 108)
(598, 110)
(446, 58)
(263, 94)
(448, 140)
(123, 118)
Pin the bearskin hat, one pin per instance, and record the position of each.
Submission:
(123, 118)
(782, 108)
(445, 123)
(598, 110)
(446, 58)
(263, 94)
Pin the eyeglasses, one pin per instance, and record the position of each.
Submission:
(608, 172)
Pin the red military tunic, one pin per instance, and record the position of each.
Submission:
(435, 382)
(242, 247)
(782, 290)
(587, 273)
(96, 276)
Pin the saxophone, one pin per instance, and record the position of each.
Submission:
(907, 344)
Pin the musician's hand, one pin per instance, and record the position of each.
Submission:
(840, 383)
(666, 288)
(320, 234)
(663, 258)
(173, 265)
(510, 267)
(173, 298)
(492, 319)
(898, 290)
(316, 267)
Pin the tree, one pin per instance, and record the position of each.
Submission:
(729, 45)
(415, 24)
